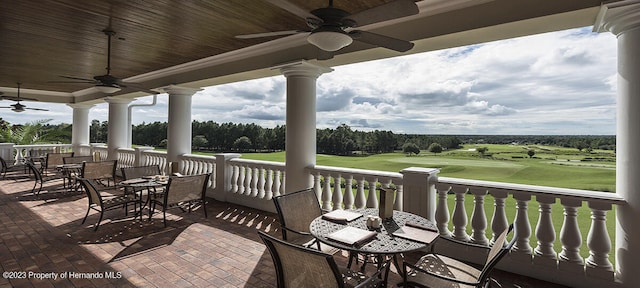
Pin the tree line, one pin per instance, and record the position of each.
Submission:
(343, 140)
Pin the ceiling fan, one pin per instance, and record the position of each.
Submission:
(330, 27)
(19, 107)
(106, 83)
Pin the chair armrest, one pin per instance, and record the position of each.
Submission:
(296, 231)
(465, 243)
(418, 269)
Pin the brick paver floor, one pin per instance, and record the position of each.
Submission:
(44, 244)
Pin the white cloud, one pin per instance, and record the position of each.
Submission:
(553, 83)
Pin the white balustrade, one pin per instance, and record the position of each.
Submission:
(126, 157)
(256, 179)
(544, 261)
(328, 186)
(151, 157)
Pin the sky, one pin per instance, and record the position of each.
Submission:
(559, 83)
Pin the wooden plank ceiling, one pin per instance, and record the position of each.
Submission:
(45, 39)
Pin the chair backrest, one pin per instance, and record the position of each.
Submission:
(296, 210)
(34, 170)
(55, 159)
(3, 165)
(77, 159)
(298, 266)
(139, 171)
(99, 170)
(186, 188)
(498, 251)
(92, 192)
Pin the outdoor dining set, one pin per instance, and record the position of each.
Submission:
(304, 255)
(138, 187)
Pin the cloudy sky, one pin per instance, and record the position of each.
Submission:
(554, 83)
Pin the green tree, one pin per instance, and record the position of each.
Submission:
(242, 144)
(410, 148)
(531, 152)
(29, 133)
(435, 148)
(482, 150)
(199, 142)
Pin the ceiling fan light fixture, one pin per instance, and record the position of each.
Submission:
(107, 89)
(329, 40)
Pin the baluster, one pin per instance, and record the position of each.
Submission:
(348, 192)
(282, 183)
(499, 220)
(318, 184)
(442, 213)
(326, 193)
(235, 173)
(261, 181)
(479, 218)
(276, 184)
(460, 217)
(337, 192)
(269, 185)
(522, 249)
(599, 243)
(361, 201)
(569, 258)
(372, 200)
(399, 203)
(544, 254)
(255, 175)
(242, 174)
(248, 178)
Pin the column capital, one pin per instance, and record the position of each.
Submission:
(113, 100)
(302, 68)
(180, 90)
(618, 17)
(80, 106)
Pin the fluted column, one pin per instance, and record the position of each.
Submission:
(300, 143)
(117, 135)
(623, 20)
(80, 127)
(179, 129)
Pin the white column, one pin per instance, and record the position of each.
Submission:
(80, 127)
(179, 129)
(117, 135)
(300, 144)
(623, 20)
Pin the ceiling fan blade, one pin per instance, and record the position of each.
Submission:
(73, 82)
(381, 40)
(78, 78)
(384, 12)
(294, 9)
(269, 34)
(38, 109)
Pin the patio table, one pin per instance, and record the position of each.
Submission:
(150, 183)
(385, 245)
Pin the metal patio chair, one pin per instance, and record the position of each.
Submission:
(436, 270)
(298, 266)
(182, 192)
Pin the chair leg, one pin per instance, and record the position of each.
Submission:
(86, 215)
(204, 207)
(164, 216)
(99, 220)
